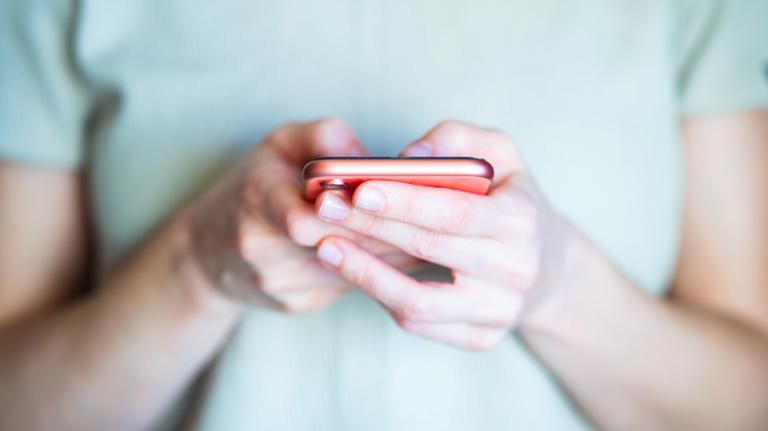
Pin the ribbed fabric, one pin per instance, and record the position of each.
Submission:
(172, 91)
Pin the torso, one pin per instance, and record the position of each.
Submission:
(585, 88)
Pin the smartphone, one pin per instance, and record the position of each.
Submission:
(467, 174)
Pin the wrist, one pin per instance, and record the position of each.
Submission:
(196, 289)
(584, 282)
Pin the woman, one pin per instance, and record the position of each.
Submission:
(614, 277)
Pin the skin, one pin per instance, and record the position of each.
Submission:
(153, 324)
(518, 264)
(171, 305)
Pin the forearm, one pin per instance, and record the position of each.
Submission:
(117, 358)
(632, 361)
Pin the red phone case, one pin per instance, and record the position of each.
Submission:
(466, 174)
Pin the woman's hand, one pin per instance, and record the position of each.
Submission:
(506, 250)
(252, 232)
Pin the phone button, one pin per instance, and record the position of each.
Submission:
(336, 184)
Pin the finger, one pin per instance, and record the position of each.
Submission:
(513, 262)
(288, 278)
(507, 262)
(241, 280)
(457, 252)
(273, 185)
(274, 175)
(308, 300)
(289, 269)
(298, 219)
(294, 216)
(456, 139)
(327, 137)
(437, 209)
(391, 255)
(413, 300)
(462, 335)
(266, 249)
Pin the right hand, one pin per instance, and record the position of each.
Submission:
(252, 233)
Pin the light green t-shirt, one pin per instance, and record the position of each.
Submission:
(153, 99)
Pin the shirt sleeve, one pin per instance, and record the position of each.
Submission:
(43, 103)
(721, 50)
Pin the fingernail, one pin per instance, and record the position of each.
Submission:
(418, 149)
(330, 254)
(333, 208)
(369, 199)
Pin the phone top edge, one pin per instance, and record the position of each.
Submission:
(397, 158)
(389, 166)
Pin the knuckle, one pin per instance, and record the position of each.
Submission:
(482, 340)
(317, 130)
(246, 244)
(301, 303)
(293, 307)
(297, 228)
(530, 275)
(501, 136)
(509, 313)
(247, 193)
(405, 323)
(408, 207)
(427, 244)
(268, 286)
(450, 126)
(371, 226)
(326, 128)
(331, 122)
(280, 133)
(525, 279)
(364, 276)
(527, 219)
(503, 317)
(459, 214)
(510, 150)
(451, 131)
(413, 310)
(524, 272)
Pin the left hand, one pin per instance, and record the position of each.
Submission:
(506, 250)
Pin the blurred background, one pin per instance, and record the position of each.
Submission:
(643, 124)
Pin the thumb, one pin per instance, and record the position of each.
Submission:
(457, 139)
(332, 137)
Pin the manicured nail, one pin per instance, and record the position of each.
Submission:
(330, 254)
(418, 149)
(333, 208)
(369, 199)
